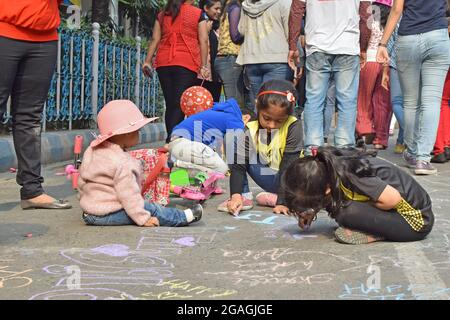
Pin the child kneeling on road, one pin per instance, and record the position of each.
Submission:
(195, 140)
(110, 179)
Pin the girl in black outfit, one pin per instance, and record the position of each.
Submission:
(368, 197)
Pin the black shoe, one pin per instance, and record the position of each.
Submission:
(447, 152)
(197, 212)
(439, 158)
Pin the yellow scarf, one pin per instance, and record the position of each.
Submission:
(273, 152)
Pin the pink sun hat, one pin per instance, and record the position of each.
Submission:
(385, 2)
(119, 117)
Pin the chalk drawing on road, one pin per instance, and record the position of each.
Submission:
(106, 267)
(10, 279)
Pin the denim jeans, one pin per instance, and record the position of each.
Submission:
(259, 73)
(265, 177)
(232, 78)
(330, 106)
(168, 217)
(345, 71)
(27, 70)
(397, 103)
(423, 61)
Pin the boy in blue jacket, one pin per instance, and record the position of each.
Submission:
(195, 141)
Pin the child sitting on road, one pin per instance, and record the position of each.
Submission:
(109, 181)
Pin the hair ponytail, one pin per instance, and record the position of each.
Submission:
(173, 8)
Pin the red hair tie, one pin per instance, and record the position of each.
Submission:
(289, 95)
(314, 152)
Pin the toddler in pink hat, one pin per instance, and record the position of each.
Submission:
(110, 179)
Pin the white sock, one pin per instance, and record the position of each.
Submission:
(189, 215)
(248, 195)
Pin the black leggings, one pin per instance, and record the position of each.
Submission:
(174, 80)
(213, 87)
(361, 216)
(27, 70)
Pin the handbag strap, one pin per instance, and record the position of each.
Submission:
(161, 160)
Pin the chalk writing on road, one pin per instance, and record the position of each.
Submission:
(391, 292)
(278, 266)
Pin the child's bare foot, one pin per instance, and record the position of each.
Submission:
(348, 236)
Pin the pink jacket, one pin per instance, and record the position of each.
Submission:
(110, 181)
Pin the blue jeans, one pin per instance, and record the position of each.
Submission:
(345, 71)
(265, 177)
(422, 61)
(168, 217)
(259, 73)
(231, 76)
(397, 103)
(330, 106)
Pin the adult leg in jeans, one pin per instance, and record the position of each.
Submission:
(318, 73)
(254, 74)
(174, 81)
(346, 77)
(231, 75)
(27, 72)
(330, 106)
(280, 71)
(397, 103)
(361, 216)
(409, 63)
(436, 58)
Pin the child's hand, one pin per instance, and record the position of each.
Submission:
(246, 118)
(152, 222)
(293, 59)
(280, 209)
(235, 204)
(362, 60)
(382, 55)
(385, 78)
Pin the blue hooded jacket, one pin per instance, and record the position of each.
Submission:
(210, 126)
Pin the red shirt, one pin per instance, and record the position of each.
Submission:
(30, 20)
(179, 39)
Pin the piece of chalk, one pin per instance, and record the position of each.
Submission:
(12, 170)
(29, 235)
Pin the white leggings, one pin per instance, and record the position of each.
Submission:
(196, 155)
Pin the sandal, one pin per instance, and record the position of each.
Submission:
(356, 237)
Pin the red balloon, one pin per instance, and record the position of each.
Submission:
(195, 99)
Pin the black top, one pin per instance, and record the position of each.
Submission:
(244, 152)
(389, 174)
(421, 16)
